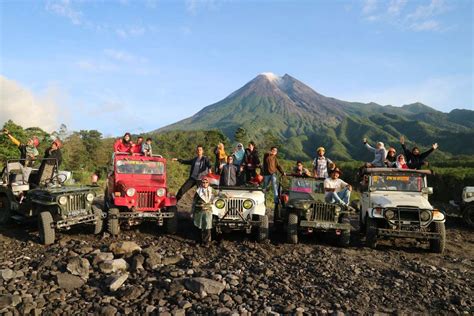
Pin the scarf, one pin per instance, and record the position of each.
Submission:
(239, 154)
(205, 194)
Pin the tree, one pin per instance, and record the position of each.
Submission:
(241, 136)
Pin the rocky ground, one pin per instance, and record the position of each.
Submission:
(147, 272)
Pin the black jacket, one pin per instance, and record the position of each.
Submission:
(204, 166)
(251, 160)
(228, 176)
(415, 162)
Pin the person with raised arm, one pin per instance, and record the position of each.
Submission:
(415, 159)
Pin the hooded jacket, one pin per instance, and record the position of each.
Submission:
(415, 161)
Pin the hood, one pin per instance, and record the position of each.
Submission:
(394, 199)
(255, 195)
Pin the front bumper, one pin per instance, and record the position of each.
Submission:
(384, 232)
(325, 225)
(77, 220)
(143, 215)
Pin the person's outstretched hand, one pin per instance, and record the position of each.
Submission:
(402, 140)
(434, 146)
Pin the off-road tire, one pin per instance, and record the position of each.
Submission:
(292, 230)
(113, 224)
(438, 245)
(263, 228)
(371, 232)
(362, 225)
(99, 222)
(468, 215)
(5, 210)
(344, 239)
(171, 224)
(46, 231)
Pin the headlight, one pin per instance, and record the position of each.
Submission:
(131, 192)
(248, 204)
(425, 215)
(90, 197)
(469, 194)
(389, 214)
(63, 200)
(220, 203)
(160, 192)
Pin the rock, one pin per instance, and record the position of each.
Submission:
(5, 301)
(124, 247)
(108, 311)
(7, 274)
(116, 281)
(16, 299)
(85, 250)
(153, 259)
(69, 282)
(178, 312)
(102, 256)
(170, 260)
(79, 266)
(185, 305)
(111, 266)
(223, 311)
(137, 262)
(131, 293)
(199, 285)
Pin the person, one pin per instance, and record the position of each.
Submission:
(320, 164)
(331, 167)
(270, 168)
(238, 155)
(52, 160)
(124, 144)
(380, 153)
(228, 173)
(300, 171)
(200, 167)
(147, 149)
(202, 210)
(391, 159)
(28, 153)
(221, 157)
(251, 162)
(401, 163)
(337, 191)
(414, 159)
(137, 148)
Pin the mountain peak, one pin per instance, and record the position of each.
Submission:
(270, 76)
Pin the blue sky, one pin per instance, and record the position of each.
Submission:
(140, 65)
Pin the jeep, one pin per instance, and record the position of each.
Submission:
(303, 209)
(240, 208)
(136, 191)
(465, 207)
(55, 205)
(394, 204)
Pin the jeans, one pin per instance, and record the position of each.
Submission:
(273, 179)
(341, 197)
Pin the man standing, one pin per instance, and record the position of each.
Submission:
(228, 173)
(416, 160)
(320, 164)
(200, 167)
(251, 162)
(270, 168)
(300, 171)
(337, 191)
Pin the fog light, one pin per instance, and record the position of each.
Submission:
(389, 214)
(248, 204)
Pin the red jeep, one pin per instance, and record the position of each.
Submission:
(136, 191)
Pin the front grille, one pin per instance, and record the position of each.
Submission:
(409, 214)
(75, 202)
(146, 199)
(234, 208)
(323, 212)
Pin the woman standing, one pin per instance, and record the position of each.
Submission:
(202, 210)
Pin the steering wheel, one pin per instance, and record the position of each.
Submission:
(59, 178)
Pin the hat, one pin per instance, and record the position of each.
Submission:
(320, 148)
(337, 170)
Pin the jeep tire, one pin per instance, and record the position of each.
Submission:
(292, 230)
(438, 245)
(171, 224)
(344, 239)
(371, 232)
(46, 230)
(5, 209)
(99, 221)
(113, 224)
(263, 228)
(468, 215)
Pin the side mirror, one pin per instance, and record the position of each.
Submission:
(427, 190)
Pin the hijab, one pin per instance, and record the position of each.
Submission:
(239, 154)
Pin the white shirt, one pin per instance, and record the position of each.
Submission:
(336, 184)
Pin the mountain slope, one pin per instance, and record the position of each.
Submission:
(303, 119)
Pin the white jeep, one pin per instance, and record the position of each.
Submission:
(467, 206)
(240, 208)
(394, 204)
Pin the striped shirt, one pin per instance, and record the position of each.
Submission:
(320, 165)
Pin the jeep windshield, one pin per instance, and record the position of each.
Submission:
(139, 167)
(306, 185)
(412, 183)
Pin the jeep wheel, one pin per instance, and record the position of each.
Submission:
(292, 228)
(263, 228)
(362, 225)
(371, 232)
(5, 210)
(344, 239)
(171, 224)
(46, 230)
(113, 224)
(438, 245)
(99, 221)
(468, 215)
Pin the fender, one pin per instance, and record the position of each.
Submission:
(169, 201)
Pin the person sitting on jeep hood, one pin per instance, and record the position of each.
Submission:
(320, 164)
(202, 210)
(415, 160)
(228, 173)
(137, 148)
(200, 167)
(300, 171)
(124, 144)
(337, 191)
(380, 153)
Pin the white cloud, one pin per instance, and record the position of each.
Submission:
(122, 56)
(193, 6)
(65, 9)
(28, 110)
(396, 6)
(130, 31)
(430, 25)
(97, 67)
(434, 8)
(369, 6)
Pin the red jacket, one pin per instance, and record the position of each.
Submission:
(137, 148)
(119, 146)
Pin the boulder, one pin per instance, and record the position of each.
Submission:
(79, 266)
(124, 247)
(115, 265)
(7, 274)
(200, 285)
(69, 281)
(116, 281)
(102, 256)
(171, 260)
